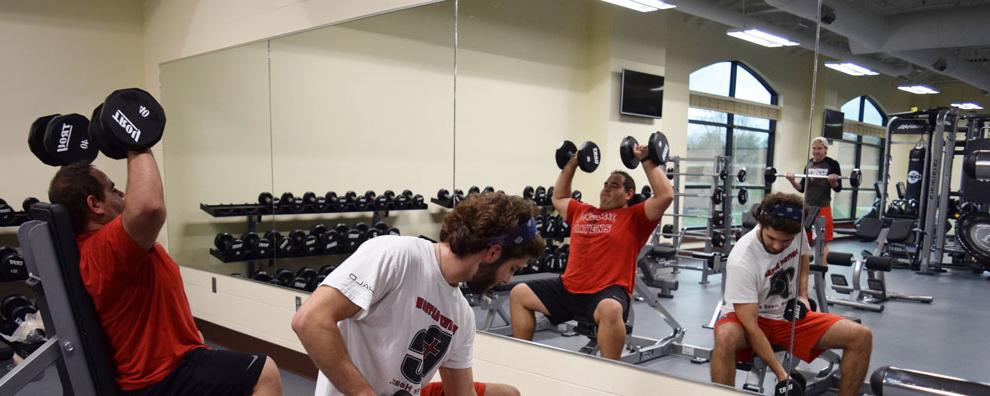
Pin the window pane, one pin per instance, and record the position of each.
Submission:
(749, 88)
(751, 122)
(842, 204)
(755, 196)
(869, 164)
(845, 153)
(749, 150)
(871, 115)
(850, 110)
(707, 115)
(872, 140)
(695, 206)
(849, 136)
(704, 141)
(864, 202)
(713, 79)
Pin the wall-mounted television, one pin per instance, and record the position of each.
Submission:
(832, 125)
(641, 95)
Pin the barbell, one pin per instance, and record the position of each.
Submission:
(855, 177)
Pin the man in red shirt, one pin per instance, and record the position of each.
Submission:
(137, 289)
(601, 268)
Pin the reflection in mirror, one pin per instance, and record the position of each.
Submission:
(534, 73)
(361, 108)
(217, 150)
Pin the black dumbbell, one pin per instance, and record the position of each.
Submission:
(355, 237)
(6, 213)
(540, 195)
(488, 189)
(657, 150)
(28, 203)
(286, 247)
(474, 190)
(330, 202)
(59, 140)
(230, 247)
(330, 242)
(318, 230)
(288, 203)
(667, 230)
(305, 279)
(380, 228)
(284, 277)
(718, 221)
(350, 201)
(382, 203)
(15, 308)
(528, 193)
(443, 195)
(262, 276)
(310, 202)
(792, 386)
(250, 240)
(11, 265)
(551, 227)
(326, 269)
(588, 156)
(646, 191)
(418, 202)
(576, 195)
(459, 195)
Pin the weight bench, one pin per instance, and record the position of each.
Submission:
(817, 381)
(76, 342)
(647, 257)
(494, 304)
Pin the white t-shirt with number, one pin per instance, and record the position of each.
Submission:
(753, 275)
(411, 321)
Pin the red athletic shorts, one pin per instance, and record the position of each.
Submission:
(807, 332)
(436, 389)
(825, 212)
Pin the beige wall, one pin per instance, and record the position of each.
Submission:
(60, 57)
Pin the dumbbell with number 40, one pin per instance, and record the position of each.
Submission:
(128, 120)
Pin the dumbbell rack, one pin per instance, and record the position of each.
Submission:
(545, 211)
(254, 213)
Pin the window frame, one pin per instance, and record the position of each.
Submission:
(730, 128)
(859, 143)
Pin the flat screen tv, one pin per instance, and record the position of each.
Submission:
(832, 127)
(642, 94)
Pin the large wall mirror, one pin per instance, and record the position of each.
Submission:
(533, 73)
(362, 106)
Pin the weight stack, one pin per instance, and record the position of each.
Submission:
(972, 190)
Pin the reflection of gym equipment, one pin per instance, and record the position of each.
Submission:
(493, 304)
(855, 177)
(643, 349)
(894, 381)
(876, 292)
(816, 381)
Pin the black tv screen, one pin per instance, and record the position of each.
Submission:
(832, 127)
(642, 94)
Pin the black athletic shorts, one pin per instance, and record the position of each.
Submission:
(209, 372)
(564, 305)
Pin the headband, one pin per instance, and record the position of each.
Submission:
(786, 211)
(521, 234)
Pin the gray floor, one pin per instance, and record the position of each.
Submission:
(947, 336)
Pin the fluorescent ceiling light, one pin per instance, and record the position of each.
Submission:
(851, 69)
(656, 4)
(762, 38)
(917, 89)
(968, 106)
(642, 5)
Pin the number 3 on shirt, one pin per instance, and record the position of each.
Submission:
(432, 345)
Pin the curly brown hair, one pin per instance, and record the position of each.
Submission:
(71, 186)
(778, 223)
(481, 218)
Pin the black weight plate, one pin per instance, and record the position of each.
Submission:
(973, 230)
(564, 153)
(67, 139)
(36, 140)
(589, 157)
(659, 148)
(98, 133)
(626, 152)
(133, 118)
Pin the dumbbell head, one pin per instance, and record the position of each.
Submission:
(540, 196)
(626, 152)
(6, 213)
(474, 190)
(792, 386)
(97, 136)
(222, 240)
(310, 200)
(311, 245)
(717, 195)
(262, 276)
(250, 240)
(266, 199)
(667, 230)
(132, 119)
(28, 203)
(589, 157)
(443, 194)
(318, 230)
(528, 192)
(718, 240)
(330, 242)
(331, 202)
(741, 175)
(326, 270)
(59, 140)
(576, 195)
(488, 189)
(284, 277)
(770, 175)
(564, 152)
(743, 196)
(15, 307)
(389, 194)
(855, 178)
(11, 265)
(659, 149)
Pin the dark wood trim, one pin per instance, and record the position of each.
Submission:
(287, 359)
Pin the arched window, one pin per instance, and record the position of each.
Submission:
(862, 152)
(749, 140)
(864, 109)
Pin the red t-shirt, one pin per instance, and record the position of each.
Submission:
(604, 246)
(142, 305)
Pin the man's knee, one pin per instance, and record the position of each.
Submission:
(270, 377)
(861, 337)
(493, 389)
(520, 294)
(608, 310)
(729, 338)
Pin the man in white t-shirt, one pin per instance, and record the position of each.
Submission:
(759, 282)
(392, 314)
